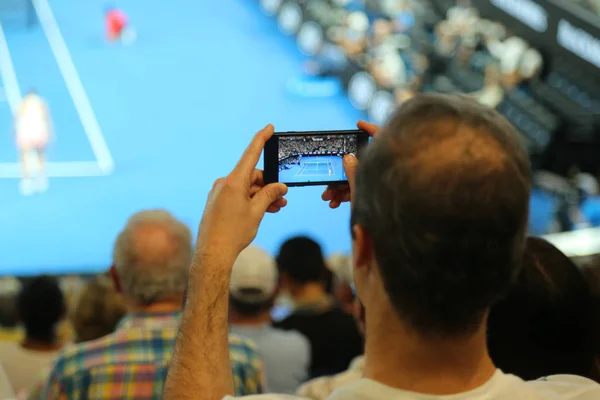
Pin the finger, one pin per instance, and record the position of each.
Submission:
(334, 204)
(273, 210)
(267, 195)
(368, 127)
(281, 202)
(254, 189)
(335, 190)
(245, 167)
(328, 193)
(257, 177)
(339, 198)
(350, 164)
(342, 197)
(277, 205)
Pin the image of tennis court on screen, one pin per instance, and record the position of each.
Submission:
(314, 158)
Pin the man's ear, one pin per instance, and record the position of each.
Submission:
(284, 282)
(114, 277)
(363, 247)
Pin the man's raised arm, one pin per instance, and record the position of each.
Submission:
(236, 205)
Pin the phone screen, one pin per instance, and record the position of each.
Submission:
(314, 158)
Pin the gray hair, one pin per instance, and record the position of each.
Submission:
(152, 255)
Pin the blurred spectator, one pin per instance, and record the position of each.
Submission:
(544, 325)
(492, 92)
(96, 313)
(404, 18)
(151, 257)
(40, 306)
(354, 38)
(98, 310)
(334, 338)
(518, 62)
(253, 286)
(341, 267)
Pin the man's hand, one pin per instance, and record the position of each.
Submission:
(341, 193)
(237, 204)
(201, 367)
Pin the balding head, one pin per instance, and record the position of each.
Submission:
(152, 255)
(443, 195)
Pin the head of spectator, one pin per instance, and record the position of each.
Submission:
(150, 262)
(98, 310)
(41, 306)
(302, 269)
(439, 219)
(253, 287)
(544, 325)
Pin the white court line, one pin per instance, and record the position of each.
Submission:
(70, 169)
(9, 77)
(74, 85)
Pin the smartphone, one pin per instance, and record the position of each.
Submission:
(310, 158)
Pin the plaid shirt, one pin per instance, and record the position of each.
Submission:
(132, 363)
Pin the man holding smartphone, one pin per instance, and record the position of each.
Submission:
(439, 218)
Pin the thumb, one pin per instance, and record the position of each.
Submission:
(350, 165)
(267, 195)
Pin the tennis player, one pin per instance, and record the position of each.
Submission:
(116, 24)
(33, 128)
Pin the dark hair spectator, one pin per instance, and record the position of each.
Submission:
(40, 306)
(544, 325)
(334, 338)
(301, 259)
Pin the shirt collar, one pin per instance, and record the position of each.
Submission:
(315, 306)
(149, 319)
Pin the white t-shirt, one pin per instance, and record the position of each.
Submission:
(500, 387)
(23, 367)
(320, 388)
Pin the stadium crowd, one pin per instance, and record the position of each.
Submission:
(385, 52)
(444, 296)
(320, 145)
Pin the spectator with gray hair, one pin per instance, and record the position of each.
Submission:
(150, 262)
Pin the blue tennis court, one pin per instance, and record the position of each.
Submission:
(148, 125)
(151, 124)
(314, 169)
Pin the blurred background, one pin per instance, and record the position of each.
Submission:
(151, 118)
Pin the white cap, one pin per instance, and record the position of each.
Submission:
(341, 266)
(253, 269)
